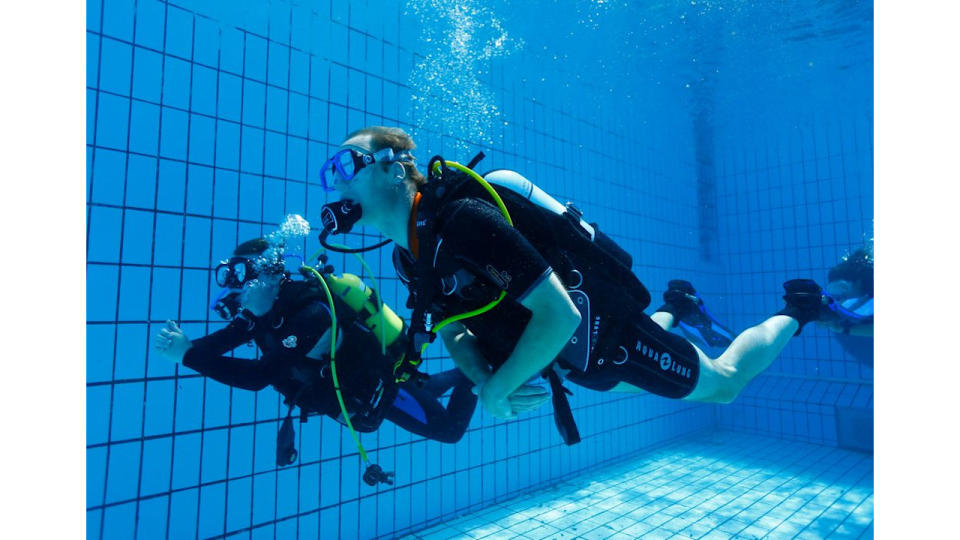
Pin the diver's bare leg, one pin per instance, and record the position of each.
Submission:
(751, 352)
(663, 319)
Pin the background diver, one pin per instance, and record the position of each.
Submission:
(545, 291)
(849, 312)
(290, 321)
(850, 282)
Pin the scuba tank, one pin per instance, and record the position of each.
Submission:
(518, 184)
(579, 244)
(364, 303)
(365, 309)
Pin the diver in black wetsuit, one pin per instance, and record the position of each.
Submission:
(290, 322)
(525, 286)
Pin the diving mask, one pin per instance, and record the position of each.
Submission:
(347, 163)
(235, 272)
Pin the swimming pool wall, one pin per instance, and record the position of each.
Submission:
(793, 157)
(794, 200)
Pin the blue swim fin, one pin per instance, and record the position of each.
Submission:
(692, 316)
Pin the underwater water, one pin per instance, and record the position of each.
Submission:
(726, 143)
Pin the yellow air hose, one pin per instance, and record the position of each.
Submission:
(333, 363)
(503, 209)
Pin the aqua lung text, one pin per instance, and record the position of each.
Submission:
(664, 359)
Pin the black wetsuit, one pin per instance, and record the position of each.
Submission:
(477, 254)
(291, 329)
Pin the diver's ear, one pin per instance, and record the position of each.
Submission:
(399, 172)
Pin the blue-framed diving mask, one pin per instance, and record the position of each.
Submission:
(347, 163)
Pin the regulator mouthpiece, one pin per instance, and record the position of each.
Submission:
(340, 216)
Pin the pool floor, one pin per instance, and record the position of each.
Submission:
(716, 485)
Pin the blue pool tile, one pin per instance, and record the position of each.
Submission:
(116, 56)
(119, 521)
(118, 18)
(152, 519)
(147, 75)
(173, 134)
(179, 37)
(94, 13)
(735, 493)
(206, 42)
(255, 58)
(145, 138)
(112, 121)
(176, 83)
(150, 24)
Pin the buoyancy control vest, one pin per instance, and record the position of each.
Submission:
(365, 374)
(588, 262)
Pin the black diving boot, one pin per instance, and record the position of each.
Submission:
(806, 302)
(691, 315)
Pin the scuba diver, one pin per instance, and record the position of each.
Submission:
(850, 283)
(518, 285)
(335, 362)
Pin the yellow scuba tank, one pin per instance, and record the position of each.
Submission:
(362, 300)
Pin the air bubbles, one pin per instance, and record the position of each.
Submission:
(294, 227)
(282, 240)
(449, 93)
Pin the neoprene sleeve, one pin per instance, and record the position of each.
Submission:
(476, 234)
(206, 357)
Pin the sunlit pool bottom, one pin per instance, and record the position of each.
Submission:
(719, 485)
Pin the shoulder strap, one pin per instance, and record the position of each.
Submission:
(424, 280)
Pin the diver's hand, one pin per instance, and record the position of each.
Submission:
(495, 404)
(259, 294)
(173, 343)
(527, 398)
